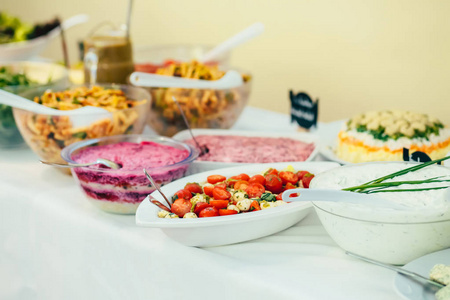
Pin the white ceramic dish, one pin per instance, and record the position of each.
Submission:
(411, 289)
(201, 166)
(223, 230)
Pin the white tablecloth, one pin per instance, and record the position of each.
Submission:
(55, 245)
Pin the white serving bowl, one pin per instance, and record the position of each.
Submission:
(387, 235)
(223, 230)
(201, 166)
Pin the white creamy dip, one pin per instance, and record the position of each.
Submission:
(426, 205)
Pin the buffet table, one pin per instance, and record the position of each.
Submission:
(55, 245)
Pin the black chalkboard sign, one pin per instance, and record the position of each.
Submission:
(303, 110)
(416, 156)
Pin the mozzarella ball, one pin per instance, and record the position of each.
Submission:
(233, 207)
(238, 196)
(190, 215)
(163, 213)
(244, 205)
(265, 204)
(171, 216)
(279, 203)
(198, 198)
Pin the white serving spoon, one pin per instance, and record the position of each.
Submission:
(313, 195)
(243, 36)
(231, 79)
(27, 49)
(80, 117)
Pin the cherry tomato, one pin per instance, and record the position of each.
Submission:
(227, 212)
(279, 196)
(221, 185)
(242, 176)
(300, 174)
(231, 182)
(255, 190)
(169, 62)
(194, 188)
(208, 190)
(200, 206)
(181, 207)
(213, 179)
(287, 176)
(182, 194)
(271, 171)
(221, 194)
(254, 206)
(208, 212)
(289, 186)
(219, 204)
(274, 183)
(307, 179)
(257, 178)
(241, 185)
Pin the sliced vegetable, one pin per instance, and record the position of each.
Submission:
(255, 206)
(274, 183)
(181, 207)
(182, 194)
(219, 204)
(257, 178)
(255, 190)
(288, 177)
(213, 179)
(221, 194)
(227, 212)
(209, 212)
(194, 188)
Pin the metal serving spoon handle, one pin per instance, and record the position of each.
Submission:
(396, 269)
(100, 161)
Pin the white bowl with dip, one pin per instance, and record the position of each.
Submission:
(388, 235)
(308, 140)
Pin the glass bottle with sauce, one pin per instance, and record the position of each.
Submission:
(108, 59)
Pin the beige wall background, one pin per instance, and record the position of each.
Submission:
(353, 55)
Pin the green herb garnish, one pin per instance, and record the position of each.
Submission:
(379, 186)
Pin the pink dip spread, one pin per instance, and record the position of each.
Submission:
(242, 149)
(127, 186)
(133, 156)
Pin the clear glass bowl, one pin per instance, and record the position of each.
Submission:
(45, 75)
(47, 135)
(213, 109)
(121, 191)
(155, 56)
(203, 108)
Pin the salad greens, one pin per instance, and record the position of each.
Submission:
(11, 82)
(12, 29)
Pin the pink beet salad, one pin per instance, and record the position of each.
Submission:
(128, 184)
(242, 149)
